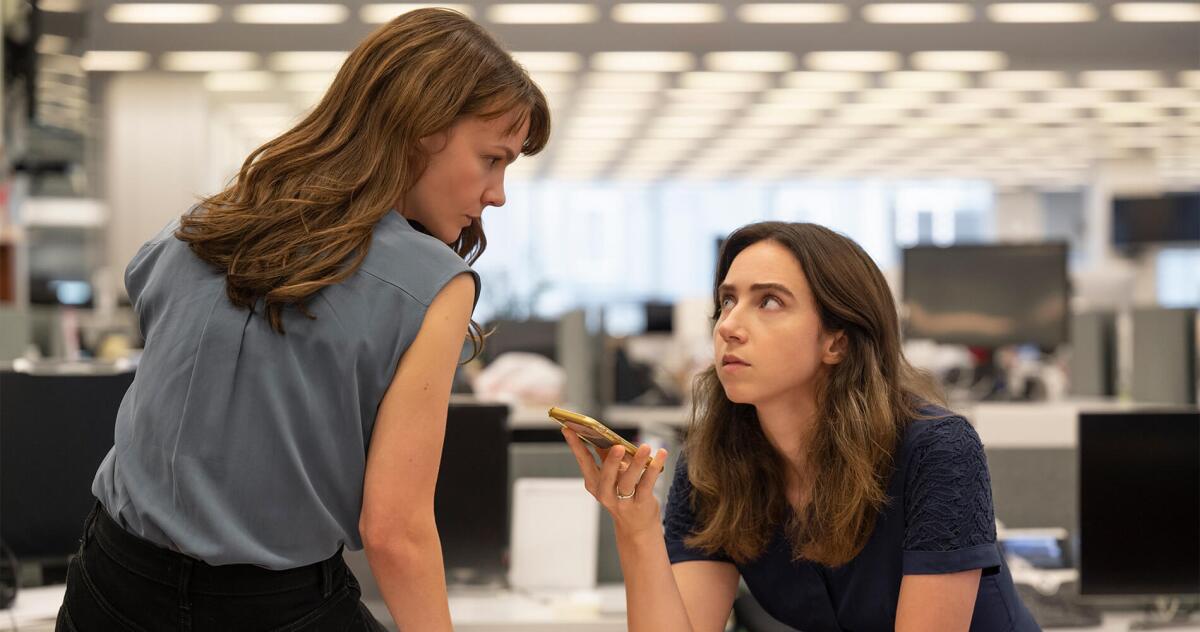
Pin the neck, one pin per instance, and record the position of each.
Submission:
(788, 423)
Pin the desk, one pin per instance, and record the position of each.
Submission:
(493, 611)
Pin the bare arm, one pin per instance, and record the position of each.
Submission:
(937, 603)
(397, 525)
(691, 596)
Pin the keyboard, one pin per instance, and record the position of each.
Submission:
(1057, 610)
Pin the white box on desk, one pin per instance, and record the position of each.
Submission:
(555, 529)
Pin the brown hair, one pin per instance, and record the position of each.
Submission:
(300, 213)
(863, 403)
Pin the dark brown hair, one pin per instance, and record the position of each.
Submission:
(299, 215)
(863, 402)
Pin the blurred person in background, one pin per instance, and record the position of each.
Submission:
(302, 330)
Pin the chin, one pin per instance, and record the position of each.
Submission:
(737, 395)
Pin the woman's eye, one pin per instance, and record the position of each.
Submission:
(771, 301)
(726, 302)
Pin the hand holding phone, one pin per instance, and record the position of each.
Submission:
(592, 431)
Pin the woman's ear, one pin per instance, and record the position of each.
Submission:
(434, 143)
(835, 348)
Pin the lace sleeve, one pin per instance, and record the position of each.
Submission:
(949, 520)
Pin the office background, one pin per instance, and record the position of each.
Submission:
(1065, 135)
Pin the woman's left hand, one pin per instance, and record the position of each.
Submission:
(623, 485)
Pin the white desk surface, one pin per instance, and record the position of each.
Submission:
(493, 611)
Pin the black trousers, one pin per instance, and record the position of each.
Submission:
(119, 581)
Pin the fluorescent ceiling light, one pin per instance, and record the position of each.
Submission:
(1170, 96)
(290, 13)
(705, 99)
(615, 100)
(961, 60)
(997, 98)
(793, 13)
(1121, 79)
(549, 61)
(205, 61)
(543, 13)
(61, 6)
(115, 60)
(842, 81)
(1024, 79)
(918, 13)
(386, 12)
(643, 61)
(52, 44)
(1157, 11)
(926, 80)
(750, 61)
(163, 13)
(1130, 112)
(1042, 12)
(732, 81)
(847, 60)
(308, 81)
(1075, 97)
(910, 98)
(301, 61)
(633, 81)
(1190, 78)
(248, 81)
(668, 13)
(804, 98)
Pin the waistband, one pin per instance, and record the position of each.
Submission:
(177, 569)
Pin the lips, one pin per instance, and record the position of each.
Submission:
(731, 360)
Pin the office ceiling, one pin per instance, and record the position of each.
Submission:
(1021, 103)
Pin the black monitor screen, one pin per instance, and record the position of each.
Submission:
(1139, 503)
(1171, 218)
(54, 431)
(987, 295)
(471, 501)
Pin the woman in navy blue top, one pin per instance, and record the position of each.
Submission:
(816, 467)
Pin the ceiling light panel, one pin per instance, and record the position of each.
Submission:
(668, 13)
(860, 61)
(549, 61)
(1157, 11)
(724, 81)
(926, 80)
(1042, 12)
(643, 61)
(918, 13)
(163, 13)
(290, 13)
(1024, 79)
(793, 13)
(208, 61)
(378, 13)
(625, 81)
(750, 61)
(841, 81)
(960, 60)
(305, 61)
(1121, 79)
(544, 13)
(115, 60)
(246, 81)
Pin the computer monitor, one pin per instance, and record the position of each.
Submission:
(529, 336)
(987, 295)
(1173, 218)
(1139, 503)
(54, 431)
(471, 500)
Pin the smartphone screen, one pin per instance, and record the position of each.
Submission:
(588, 434)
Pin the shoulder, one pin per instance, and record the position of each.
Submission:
(937, 428)
(413, 262)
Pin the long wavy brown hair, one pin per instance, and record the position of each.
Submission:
(863, 403)
(299, 215)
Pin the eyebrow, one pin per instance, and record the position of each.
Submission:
(758, 287)
(508, 153)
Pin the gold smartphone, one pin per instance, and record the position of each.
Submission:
(592, 431)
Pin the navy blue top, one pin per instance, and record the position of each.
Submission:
(938, 520)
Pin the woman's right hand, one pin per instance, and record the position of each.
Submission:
(634, 508)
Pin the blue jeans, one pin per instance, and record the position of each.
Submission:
(119, 581)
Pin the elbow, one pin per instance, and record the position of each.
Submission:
(398, 537)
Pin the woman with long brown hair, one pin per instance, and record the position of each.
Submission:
(302, 330)
(817, 467)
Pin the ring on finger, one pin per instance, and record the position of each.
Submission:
(623, 496)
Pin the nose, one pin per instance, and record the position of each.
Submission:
(730, 327)
(493, 195)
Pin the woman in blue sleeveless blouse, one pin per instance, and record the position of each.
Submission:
(302, 330)
(816, 468)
